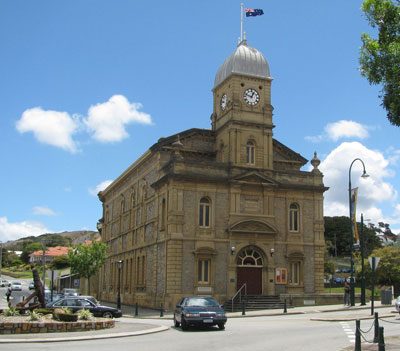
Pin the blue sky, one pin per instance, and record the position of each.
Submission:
(88, 86)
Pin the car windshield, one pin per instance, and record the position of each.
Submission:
(202, 302)
(17, 283)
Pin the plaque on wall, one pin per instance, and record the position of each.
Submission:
(204, 289)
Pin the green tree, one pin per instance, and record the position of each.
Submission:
(86, 260)
(60, 262)
(388, 271)
(28, 249)
(337, 233)
(380, 58)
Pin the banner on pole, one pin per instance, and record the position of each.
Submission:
(353, 206)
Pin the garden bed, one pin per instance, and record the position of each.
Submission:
(21, 325)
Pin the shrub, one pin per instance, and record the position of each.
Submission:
(85, 315)
(11, 312)
(34, 316)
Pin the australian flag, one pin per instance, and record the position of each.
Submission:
(253, 12)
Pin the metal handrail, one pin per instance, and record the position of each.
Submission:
(240, 292)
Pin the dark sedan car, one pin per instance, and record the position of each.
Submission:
(78, 303)
(199, 311)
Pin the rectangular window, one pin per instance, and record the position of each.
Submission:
(203, 271)
(204, 214)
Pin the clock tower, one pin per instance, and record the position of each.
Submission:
(242, 112)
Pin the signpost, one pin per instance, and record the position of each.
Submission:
(373, 261)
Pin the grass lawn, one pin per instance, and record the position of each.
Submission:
(340, 290)
(16, 274)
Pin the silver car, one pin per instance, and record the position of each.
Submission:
(397, 304)
(16, 286)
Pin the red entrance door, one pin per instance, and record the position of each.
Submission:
(252, 277)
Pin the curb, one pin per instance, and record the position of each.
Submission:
(86, 337)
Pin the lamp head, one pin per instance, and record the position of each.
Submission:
(233, 250)
(272, 251)
(119, 264)
(365, 175)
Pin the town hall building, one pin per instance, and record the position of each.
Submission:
(213, 211)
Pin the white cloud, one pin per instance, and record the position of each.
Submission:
(346, 129)
(45, 211)
(14, 231)
(339, 130)
(107, 121)
(100, 187)
(50, 127)
(372, 190)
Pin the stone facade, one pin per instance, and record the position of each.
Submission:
(207, 211)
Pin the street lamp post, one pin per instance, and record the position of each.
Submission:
(119, 285)
(364, 175)
(362, 247)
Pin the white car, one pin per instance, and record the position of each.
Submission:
(397, 304)
(16, 286)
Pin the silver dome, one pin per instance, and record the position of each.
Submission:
(244, 60)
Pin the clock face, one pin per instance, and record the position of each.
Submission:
(251, 97)
(223, 102)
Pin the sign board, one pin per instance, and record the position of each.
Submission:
(77, 283)
(376, 259)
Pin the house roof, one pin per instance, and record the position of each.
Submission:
(53, 251)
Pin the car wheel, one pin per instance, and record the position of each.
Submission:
(221, 326)
(176, 323)
(184, 324)
(108, 315)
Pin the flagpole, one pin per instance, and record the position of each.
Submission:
(241, 22)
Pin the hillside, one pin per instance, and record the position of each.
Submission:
(53, 239)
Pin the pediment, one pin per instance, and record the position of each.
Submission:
(283, 153)
(252, 227)
(254, 177)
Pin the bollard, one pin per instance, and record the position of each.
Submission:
(381, 345)
(358, 336)
(284, 307)
(136, 310)
(161, 311)
(376, 329)
(243, 308)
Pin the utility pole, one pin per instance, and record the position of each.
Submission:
(44, 264)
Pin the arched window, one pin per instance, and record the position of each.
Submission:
(250, 151)
(249, 257)
(204, 212)
(294, 217)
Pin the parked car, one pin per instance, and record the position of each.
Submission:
(339, 270)
(4, 283)
(31, 286)
(56, 297)
(338, 280)
(76, 303)
(199, 311)
(346, 270)
(397, 304)
(91, 299)
(16, 286)
(70, 292)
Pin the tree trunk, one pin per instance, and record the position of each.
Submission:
(88, 280)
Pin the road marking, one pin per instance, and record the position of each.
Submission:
(349, 332)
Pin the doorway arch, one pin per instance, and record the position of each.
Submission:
(249, 268)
